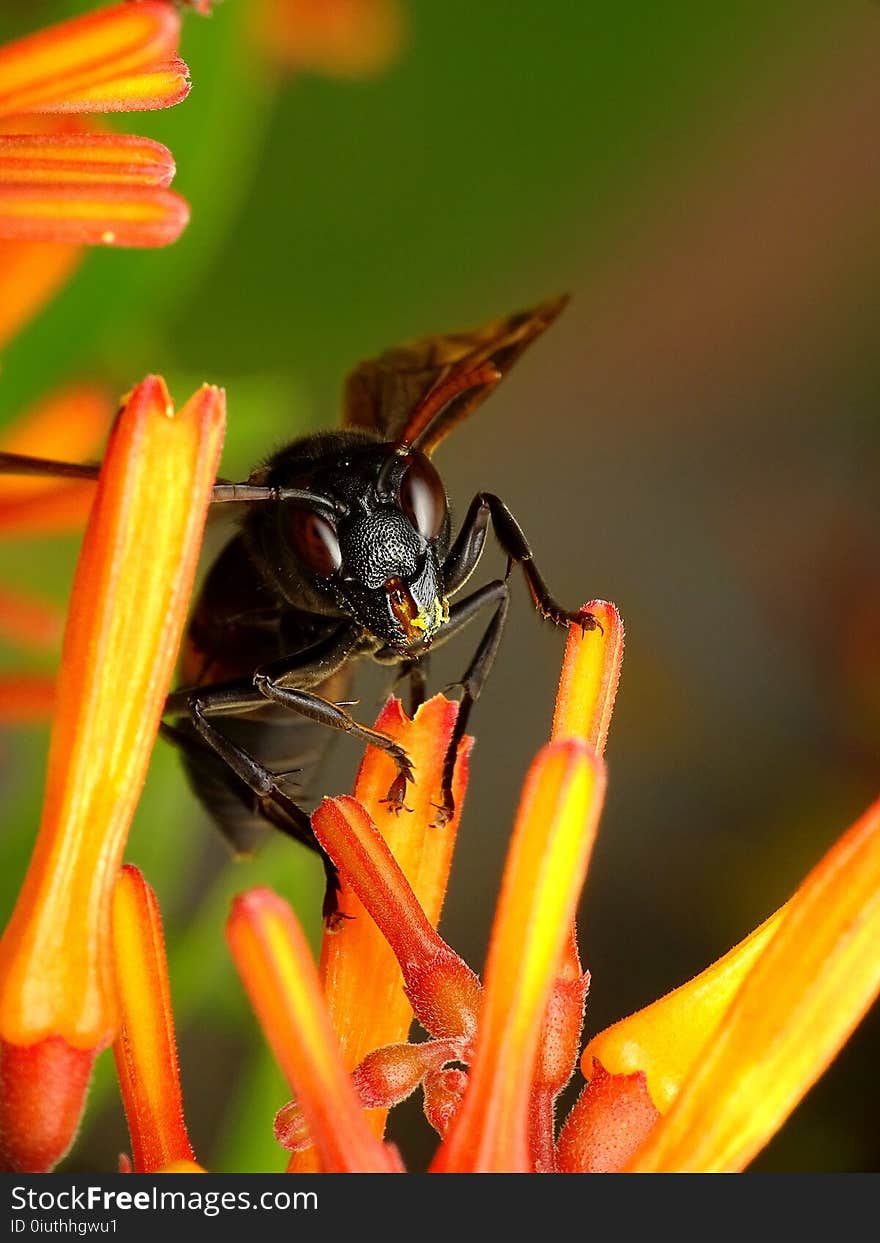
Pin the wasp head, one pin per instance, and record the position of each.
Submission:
(369, 542)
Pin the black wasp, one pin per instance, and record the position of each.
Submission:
(345, 550)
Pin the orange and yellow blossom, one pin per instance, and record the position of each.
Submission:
(362, 981)
(128, 606)
(808, 974)
(63, 184)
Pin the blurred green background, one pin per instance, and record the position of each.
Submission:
(695, 440)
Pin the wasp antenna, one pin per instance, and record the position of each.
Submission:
(20, 464)
(225, 493)
(326, 504)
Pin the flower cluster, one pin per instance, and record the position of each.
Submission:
(697, 1081)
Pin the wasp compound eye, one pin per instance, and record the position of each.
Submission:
(315, 541)
(423, 497)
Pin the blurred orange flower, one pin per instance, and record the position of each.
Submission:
(74, 422)
(339, 38)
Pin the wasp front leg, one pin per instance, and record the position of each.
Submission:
(465, 553)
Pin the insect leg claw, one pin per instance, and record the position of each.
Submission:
(587, 621)
(395, 798)
(335, 921)
(445, 811)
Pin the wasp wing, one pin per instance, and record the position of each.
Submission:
(383, 394)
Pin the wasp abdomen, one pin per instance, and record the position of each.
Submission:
(237, 626)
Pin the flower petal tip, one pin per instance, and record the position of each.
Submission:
(56, 67)
(92, 215)
(590, 676)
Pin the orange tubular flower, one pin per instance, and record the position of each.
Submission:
(797, 1005)
(275, 962)
(362, 979)
(443, 991)
(584, 704)
(725, 1058)
(145, 1049)
(545, 870)
(127, 610)
(76, 188)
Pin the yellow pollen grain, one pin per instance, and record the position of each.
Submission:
(425, 620)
